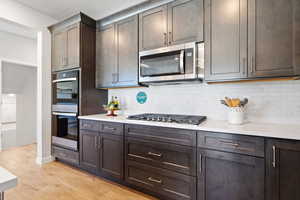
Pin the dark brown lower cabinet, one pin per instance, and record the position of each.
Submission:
(224, 176)
(102, 153)
(111, 155)
(166, 184)
(283, 170)
(181, 159)
(89, 150)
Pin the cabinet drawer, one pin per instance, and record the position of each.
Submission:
(177, 158)
(113, 128)
(89, 125)
(232, 143)
(159, 134)
(65, 154)
(165, 183)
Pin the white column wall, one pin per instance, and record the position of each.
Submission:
(44, 98)
(18, 13)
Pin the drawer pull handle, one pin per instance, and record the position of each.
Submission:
(154, 180)
(109, 128)
(154, 154)
(62, 154)
(230, 143)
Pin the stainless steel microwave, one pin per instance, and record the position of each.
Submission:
(174, 63)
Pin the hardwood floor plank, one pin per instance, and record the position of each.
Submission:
(58, 181)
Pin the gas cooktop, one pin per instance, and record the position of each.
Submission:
(181, 119)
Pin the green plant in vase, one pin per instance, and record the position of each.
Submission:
(112, 106)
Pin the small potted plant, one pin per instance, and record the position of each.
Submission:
(236, 112)
(112, 106)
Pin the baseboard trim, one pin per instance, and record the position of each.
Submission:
(44, 160)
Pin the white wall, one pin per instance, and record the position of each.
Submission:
(18, 13)
(8, 108)
(26, 112)
(18, 48)
(274, 102)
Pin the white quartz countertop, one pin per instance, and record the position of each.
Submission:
(7, 180)
(283, 131)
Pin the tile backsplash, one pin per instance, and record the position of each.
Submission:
(274, 102)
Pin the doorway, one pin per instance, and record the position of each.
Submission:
(18, 105)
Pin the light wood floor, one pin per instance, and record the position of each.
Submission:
(56, 181)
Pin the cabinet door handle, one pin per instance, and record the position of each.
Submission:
(170, 37)
(154, 154)
(155, 180)
(244, 65)
(274, 156)
(200, 163)
(96, 142)
(100, 143)
(165, 38)
(252, 64)
(113, 78)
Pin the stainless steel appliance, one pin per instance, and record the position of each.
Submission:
(66, 91)
(66, 130)
(181, 119)
(65, 123)
(174, 63)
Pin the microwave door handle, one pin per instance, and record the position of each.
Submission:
(65, 114)
(181, 64)
(64, 80)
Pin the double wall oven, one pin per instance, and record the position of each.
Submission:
(65, 92)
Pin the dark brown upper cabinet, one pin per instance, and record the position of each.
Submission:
(251, 39)
(65, 50)
(274, 38)
(153, 28)
(117, 54)
(74, 47)
(225, 39)
(185, 21)
(178, 22)
(283, 175)
(230, 176)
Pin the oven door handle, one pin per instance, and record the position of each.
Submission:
(64, 80)
(181, 64)
(65, 114)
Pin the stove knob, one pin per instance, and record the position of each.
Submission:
(159, 119)
(148, 119)
(169, 119)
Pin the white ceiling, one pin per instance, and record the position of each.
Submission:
(17, 29)
(97, 9)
